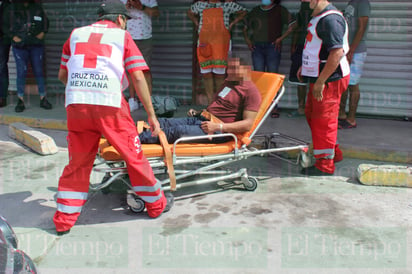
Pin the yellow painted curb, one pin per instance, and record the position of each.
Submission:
(385, 175)
(33, 122)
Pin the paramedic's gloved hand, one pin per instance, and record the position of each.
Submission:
(154, 126)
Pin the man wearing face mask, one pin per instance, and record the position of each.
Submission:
(93, 68)
(264, 25)
(325, 66)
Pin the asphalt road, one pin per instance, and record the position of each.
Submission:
(289, 224)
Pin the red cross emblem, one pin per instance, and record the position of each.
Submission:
(91, 49)
(309, 36)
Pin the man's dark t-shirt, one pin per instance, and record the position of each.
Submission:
(331, 30)
(233, 99)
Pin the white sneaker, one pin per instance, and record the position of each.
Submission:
(133, 104)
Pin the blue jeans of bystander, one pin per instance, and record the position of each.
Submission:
(266, 57)
(35, 55)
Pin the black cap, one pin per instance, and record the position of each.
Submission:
(112, 8)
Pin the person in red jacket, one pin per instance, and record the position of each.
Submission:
(93, 68)
(325, 66)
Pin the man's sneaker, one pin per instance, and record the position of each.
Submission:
(61, 233)
(314, 171)
(20, 106)
(133, 104)
(170, 201)
(45, 104)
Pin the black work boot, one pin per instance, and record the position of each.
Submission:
(45, 104)
(314, 171)
(61, 233)
(170, 201)
(20, 106)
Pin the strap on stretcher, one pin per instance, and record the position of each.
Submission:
(168, 160)
(141, 125)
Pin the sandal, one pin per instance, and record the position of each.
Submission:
(344, 124)
(275, 114)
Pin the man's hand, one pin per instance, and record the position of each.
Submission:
(278, 44)
(134, 4)
(192, 113)
(251, 46)
(154, 126)
(317, 90)
(210, 127)
(349, 56)
(17, 39)
(299, 75)
(40, 36)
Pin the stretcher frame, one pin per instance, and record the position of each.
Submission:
(208, 164)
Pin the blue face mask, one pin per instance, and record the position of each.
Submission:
(266, 2)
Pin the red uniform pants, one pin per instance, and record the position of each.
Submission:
(322, 117)
(86, 124)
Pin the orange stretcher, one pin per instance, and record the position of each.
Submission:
(165, 158)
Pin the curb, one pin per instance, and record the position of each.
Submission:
(34, 139)
(34, 122)
(387, 155)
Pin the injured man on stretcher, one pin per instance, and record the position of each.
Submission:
(235, 105)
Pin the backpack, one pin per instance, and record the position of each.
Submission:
(165, 106)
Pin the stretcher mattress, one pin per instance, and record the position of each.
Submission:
(268, 84)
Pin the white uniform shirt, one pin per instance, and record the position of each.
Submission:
(310, 57)
(95, 58)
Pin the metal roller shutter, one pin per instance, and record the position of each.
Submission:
(386, 85)
(172, 50)
(64, 16)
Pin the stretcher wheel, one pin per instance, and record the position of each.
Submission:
(306, 160)
(251, 183)
(136, 204)
(105, 190)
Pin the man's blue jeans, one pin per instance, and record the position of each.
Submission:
(35, 55)
(174, 128)
(266, 57)
(4, 69)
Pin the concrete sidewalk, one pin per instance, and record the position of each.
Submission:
(373, 139)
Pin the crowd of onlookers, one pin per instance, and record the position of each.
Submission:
(25, 24)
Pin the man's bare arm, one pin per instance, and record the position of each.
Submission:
(142, 91)
(62, 76)
(236, 127)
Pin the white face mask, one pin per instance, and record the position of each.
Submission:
(266, 2)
